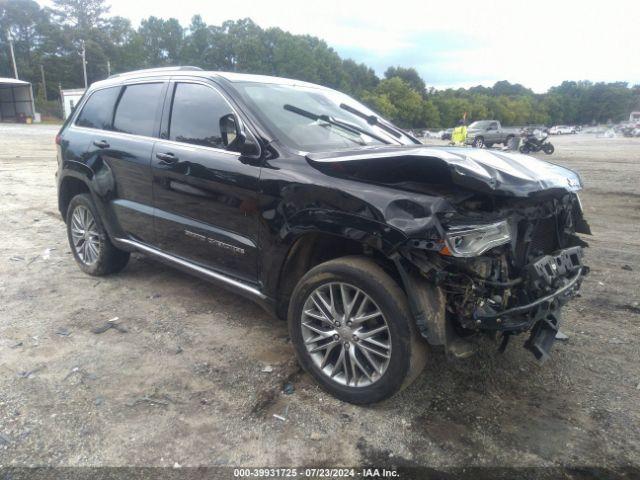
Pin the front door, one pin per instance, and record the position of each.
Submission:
(205, 196)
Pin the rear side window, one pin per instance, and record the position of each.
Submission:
(98, 111)
(136, 112)
(195, 115)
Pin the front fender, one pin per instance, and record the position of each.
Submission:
(366, 231)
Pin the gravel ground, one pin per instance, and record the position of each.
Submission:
(182, 380)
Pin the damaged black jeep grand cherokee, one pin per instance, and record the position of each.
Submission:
(371, 244)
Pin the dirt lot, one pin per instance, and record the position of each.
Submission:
(184, 383)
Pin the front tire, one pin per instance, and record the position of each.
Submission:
(89, 242)
(352, 330)
(548, 148)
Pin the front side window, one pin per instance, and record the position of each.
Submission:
(98, 111)
(195, 115)
(136, 112)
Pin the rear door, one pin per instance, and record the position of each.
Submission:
(125, 148)
(79, 130)
(205, 195)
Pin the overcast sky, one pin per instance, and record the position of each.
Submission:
(451, 43)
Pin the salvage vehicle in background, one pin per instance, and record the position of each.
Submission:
(562, 130)
(372, 245)
(486, 133)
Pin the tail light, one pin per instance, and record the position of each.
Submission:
(58, 139)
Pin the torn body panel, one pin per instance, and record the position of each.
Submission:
(518, 286)
(492, 244)
(431, 211)
(500, 173)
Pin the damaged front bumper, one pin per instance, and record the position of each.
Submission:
(557, 276)
(530, 303)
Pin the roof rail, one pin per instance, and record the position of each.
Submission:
(160, 69)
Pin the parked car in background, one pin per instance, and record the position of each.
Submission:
(485, 133)
(446, 135)
(534, 128)
(562, 130)
(297, 196)
(628, 129)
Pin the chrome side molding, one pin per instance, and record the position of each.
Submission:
(210, 274)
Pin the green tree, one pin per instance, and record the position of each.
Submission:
(410, 76)
(161, 41)
(407, 103)
(52, 37)
(83, 15)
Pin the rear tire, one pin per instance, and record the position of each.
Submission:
(524, 149)
(478, 142)
(89, 241)
(337, 282)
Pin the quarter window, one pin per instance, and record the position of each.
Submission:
(137, 109)
(196, 114)
(98, 111)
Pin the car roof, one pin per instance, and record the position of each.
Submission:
(198, 72)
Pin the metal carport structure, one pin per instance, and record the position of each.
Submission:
(16, 100)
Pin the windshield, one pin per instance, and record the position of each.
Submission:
(313, 119)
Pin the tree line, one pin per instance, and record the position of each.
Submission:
(50, 39)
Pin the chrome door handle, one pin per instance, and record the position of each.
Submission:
(166, 158)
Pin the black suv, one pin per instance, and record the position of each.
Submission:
(371, 244)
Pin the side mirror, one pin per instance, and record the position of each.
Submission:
(234, 136)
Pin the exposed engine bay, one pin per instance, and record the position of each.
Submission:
(530, 266)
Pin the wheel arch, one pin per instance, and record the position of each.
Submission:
(71, 184)
(309, 247)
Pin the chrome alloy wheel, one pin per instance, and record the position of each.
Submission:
(346, 334)
(85, 236)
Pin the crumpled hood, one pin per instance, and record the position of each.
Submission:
(506, 173)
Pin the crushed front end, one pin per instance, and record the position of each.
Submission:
(504, 266)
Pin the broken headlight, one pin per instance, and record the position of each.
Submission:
(473, 240)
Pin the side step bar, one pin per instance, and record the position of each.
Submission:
(189, 267)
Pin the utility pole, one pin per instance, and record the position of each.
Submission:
(13, 55)
(44, 82)
(84, 64)
(61, 99)
(108, 68)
